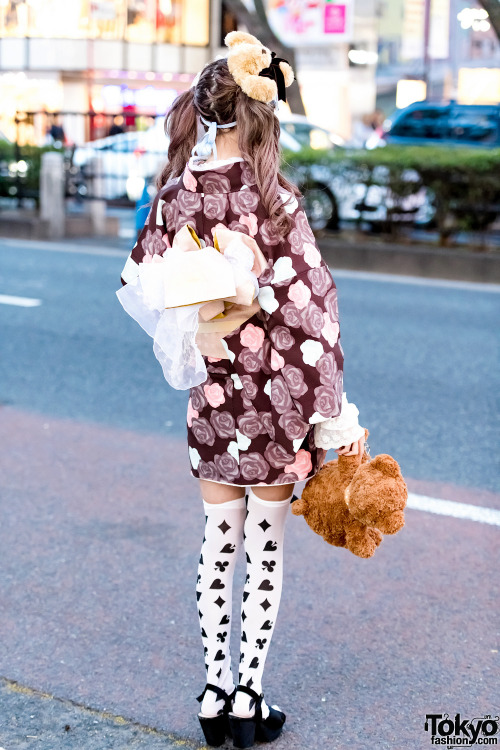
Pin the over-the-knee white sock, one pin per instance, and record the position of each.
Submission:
(263, 534)
(223, 537)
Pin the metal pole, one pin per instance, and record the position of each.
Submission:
(427, 28)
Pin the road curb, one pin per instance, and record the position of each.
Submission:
(430, 262)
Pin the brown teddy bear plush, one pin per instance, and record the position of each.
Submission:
(353, 500)
(250, 63)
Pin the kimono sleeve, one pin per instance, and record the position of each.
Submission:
(301, 311)
(152, 240)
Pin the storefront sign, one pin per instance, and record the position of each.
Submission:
(311, 22)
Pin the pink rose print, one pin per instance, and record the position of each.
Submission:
(249, 386)
(247, 175)
(330, 330)
(250, 425)
(229, 387)
(267, 274)
(189, 181)
(191, 413)
(227, 466)
(266, 419)
(252, 337)
(170, 212)
(188, 203)
(281, 337)
(312, 255)
(312, 320)
(253, 466)
(300, 294)
(321, 280)
(152, 243)
(269, 234)
(296, 242)
(326, 401)
(327, 367)
(250, 221)
(287, 478)
(236, 226)
(152, 258)
(214, 394)
(291, 315)
(223, 424)
(215, 207)
(294, 378)
(303, 227)
(198, 398)
(302, 464)
(277, 455)
(203, 431)
(244, 201)
(214, 359)
(331, 304)
(294, 426)
(280, 395)
(214, 183)
(250, 360)
(208, 470)
(277, 360)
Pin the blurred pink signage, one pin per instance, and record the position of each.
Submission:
(311, 22)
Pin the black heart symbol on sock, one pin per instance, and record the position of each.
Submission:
(219, 656)
(266, 585)
(271, 547)
(228, 548)
(225, 620)
(254, 663)
(267, 625)
(217, 584)
(246, 594)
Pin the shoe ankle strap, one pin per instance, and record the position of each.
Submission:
(221, 694)
(257, 698)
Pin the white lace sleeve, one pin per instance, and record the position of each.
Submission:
(338, 431)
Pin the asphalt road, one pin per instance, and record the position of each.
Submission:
(101, 523)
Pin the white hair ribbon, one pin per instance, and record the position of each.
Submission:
(206, 145)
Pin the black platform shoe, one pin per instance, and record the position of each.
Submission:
(246, 730)
(216, 728)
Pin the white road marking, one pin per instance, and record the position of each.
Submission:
(456, 510)
(7, 299)
(473, 286)
(64, 248)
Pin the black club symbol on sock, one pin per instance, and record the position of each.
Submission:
(261, 642)
(269, 566)
(222, 636)
(221, 565)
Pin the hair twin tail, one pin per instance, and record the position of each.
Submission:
(181, 126)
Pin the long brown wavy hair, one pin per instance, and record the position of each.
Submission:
(218, 97)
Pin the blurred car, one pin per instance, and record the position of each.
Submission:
(428, 123)
(307, 134)
(118, 166)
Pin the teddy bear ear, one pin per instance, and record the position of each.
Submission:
(240, 37)
(287, 71)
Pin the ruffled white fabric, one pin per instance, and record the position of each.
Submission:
(173, 332)
(338, 431)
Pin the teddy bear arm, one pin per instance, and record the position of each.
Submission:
(362, 540)
(392, 523)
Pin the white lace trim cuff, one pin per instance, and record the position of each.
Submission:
(338, 431)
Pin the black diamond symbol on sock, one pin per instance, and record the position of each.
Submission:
(265, 605)
(219, 672)
(264, 525)
(224, 527)
(243, 616)
(198, 594)
(203, 634)
(220, 601)
(200, 614)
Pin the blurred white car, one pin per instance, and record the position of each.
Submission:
(118, 165)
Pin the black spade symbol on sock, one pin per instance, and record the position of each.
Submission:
(254, 663)
(246, 594)
(244, 637)
(267, 625)
(266, 585)
(219, 656)
(271, 546)
(225, 620)
(198, 594)
(217, 584)
(227, 549)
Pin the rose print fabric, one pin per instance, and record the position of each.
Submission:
(252, 421)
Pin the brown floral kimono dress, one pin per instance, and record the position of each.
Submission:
(252, 421)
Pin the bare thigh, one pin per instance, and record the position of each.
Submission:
(213, 492)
